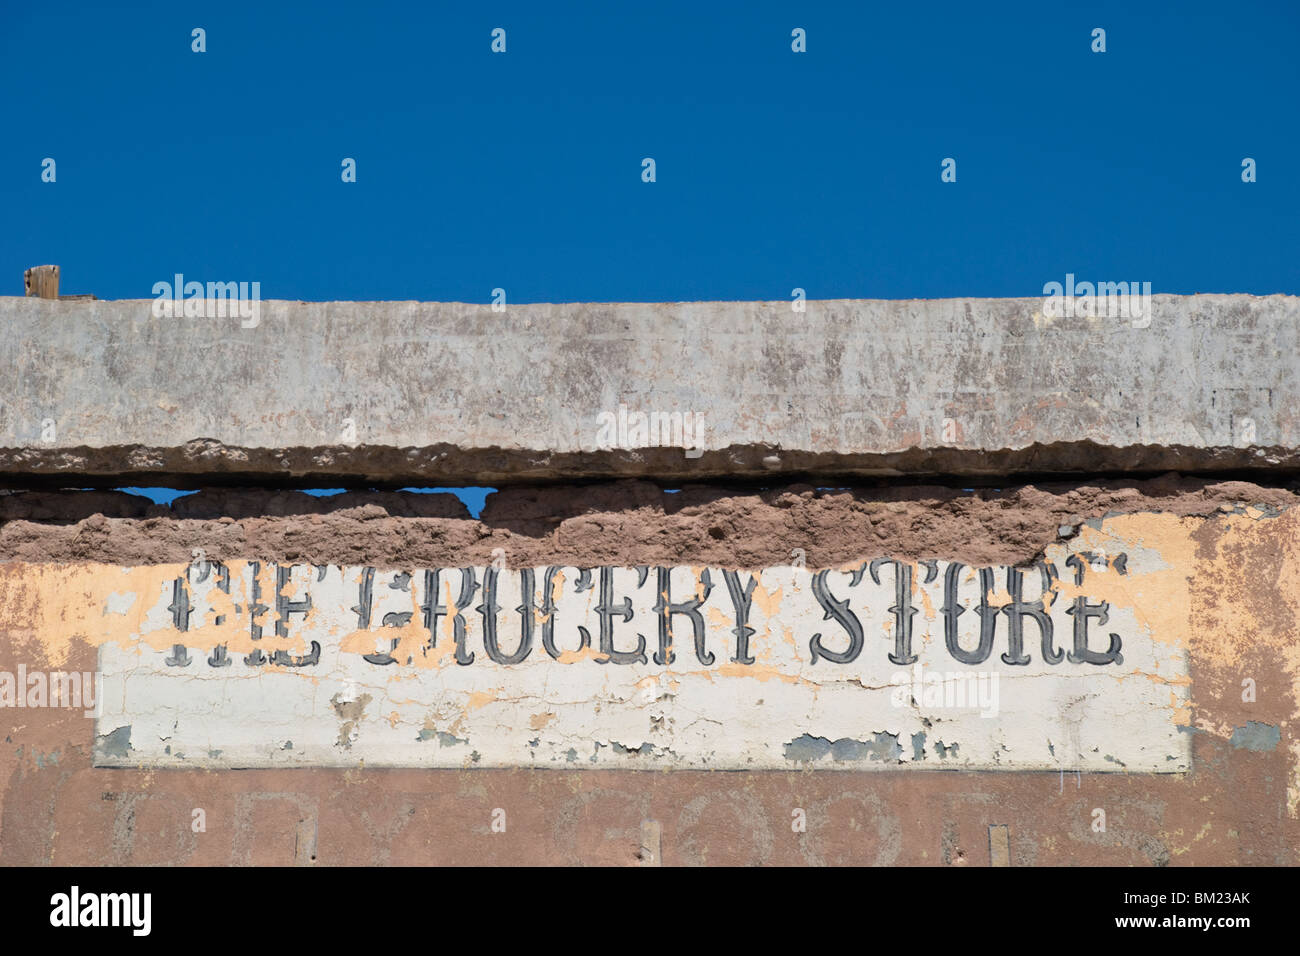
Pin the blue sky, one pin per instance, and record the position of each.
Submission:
(474, 498)
(522, 170)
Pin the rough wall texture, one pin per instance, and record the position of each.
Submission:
(1151, 662)
(454, 393)
(1221, 585)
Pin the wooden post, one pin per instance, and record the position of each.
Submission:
(42, 282)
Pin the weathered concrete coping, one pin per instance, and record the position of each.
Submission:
(454, 393)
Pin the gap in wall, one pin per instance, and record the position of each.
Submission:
(474, 498)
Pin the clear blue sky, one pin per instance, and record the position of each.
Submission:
(474, 498)
(774, 169)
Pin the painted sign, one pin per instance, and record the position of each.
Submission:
(880, 664)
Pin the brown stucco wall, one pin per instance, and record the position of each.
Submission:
(1232, 548)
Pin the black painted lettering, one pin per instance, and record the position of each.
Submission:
(838, 611)
(606, 611)
(952, 609)
(1019, 609)
(284, 606)
(902, 610)
(180, 608)
(665, 608)
(1083, 611)
(742, 601)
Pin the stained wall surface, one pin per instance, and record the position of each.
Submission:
(457, 393)
(1204, 600)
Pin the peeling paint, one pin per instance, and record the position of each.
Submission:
(883, 747)
(115, 743)
(1256, 736)
(647, 667)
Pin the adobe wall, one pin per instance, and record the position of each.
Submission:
(1207, 591)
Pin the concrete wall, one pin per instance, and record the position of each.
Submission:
(455, 393)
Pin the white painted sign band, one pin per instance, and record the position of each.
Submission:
(882, 664)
